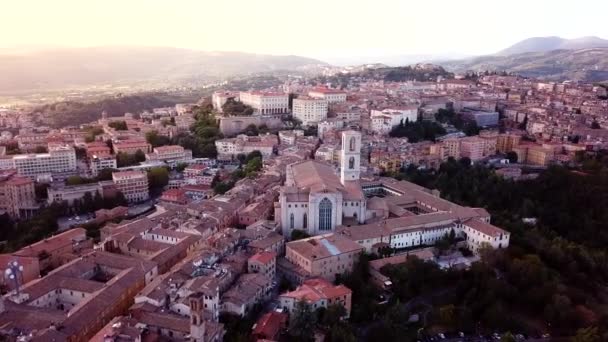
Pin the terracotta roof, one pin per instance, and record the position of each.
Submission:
(323, 246)
(484, 228)
(263, 257)
(315, 289)
(270, 324)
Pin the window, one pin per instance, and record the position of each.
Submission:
(352, 144)
(325, 213)
(291, 221)
(351, 163)
(305, 221)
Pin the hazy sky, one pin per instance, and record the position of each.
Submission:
(317, 28)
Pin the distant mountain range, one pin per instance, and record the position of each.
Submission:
(551, 58)
(70, 67)
(590, 65)
(544, 44)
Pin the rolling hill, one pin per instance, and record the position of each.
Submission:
(545, 44)
(73, 67)
(590, 65)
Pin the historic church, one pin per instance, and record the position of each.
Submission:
(314, 199)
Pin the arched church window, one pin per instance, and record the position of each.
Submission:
(351, 163)
(305, 221)
(291, 221)
(325, 208)
(352, 144)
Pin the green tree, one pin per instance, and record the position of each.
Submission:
(118, 125)
(41, 149)
(589, 334)
(507, 337)
(156, 140)
(140, 156)
(298, 234)
(302, 322)
(332, 315)
(158, 177)
(180, 167)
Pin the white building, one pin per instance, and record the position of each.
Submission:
(170, 154)
(96, 164)
(383, 121)
(329, 95)
(69, 193)
(309, 110)
(59, 159)
(266, 102)
(219, 98)
(132, 184)
(230, 148)
(315, 200)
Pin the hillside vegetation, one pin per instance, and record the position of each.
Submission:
(590, 65)
(70, 113)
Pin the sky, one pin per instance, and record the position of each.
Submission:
(314, 28)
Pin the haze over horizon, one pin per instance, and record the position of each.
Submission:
(327, 30)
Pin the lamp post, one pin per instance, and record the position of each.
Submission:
(12, 272)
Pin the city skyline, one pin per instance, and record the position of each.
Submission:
(367, 29)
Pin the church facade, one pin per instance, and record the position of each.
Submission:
(315, 200)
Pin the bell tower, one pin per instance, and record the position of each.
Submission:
(197, 320)
(350, 156)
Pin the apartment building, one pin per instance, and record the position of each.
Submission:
(310, 110)
(263, 263)
(382, 121)
(131, 146)
(472, 148)
(243, 144)
(329, 95)
(318, 293)
(322, 256)
(266, 102)
(59, 160)
(132, 184)
(170, 153)
(507, 142)
(58, 192)
(17, 195)
(96, 164)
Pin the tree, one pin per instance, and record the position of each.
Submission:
(41, 149)
(77, 180)
(447, 314)
(140, 156)
(332, 315)
(118, 125)
(298, 234)
(589, 334)
(251, 130)
(253, 166)
(156, 140)
(302, 322)
(507, 337)
(158, 177)
(236, 108)
(180, 167)
(595, 125)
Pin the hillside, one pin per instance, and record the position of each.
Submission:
(589, 65)
(545, 44)
(70, 113)
(74, 67)
(378, 72)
